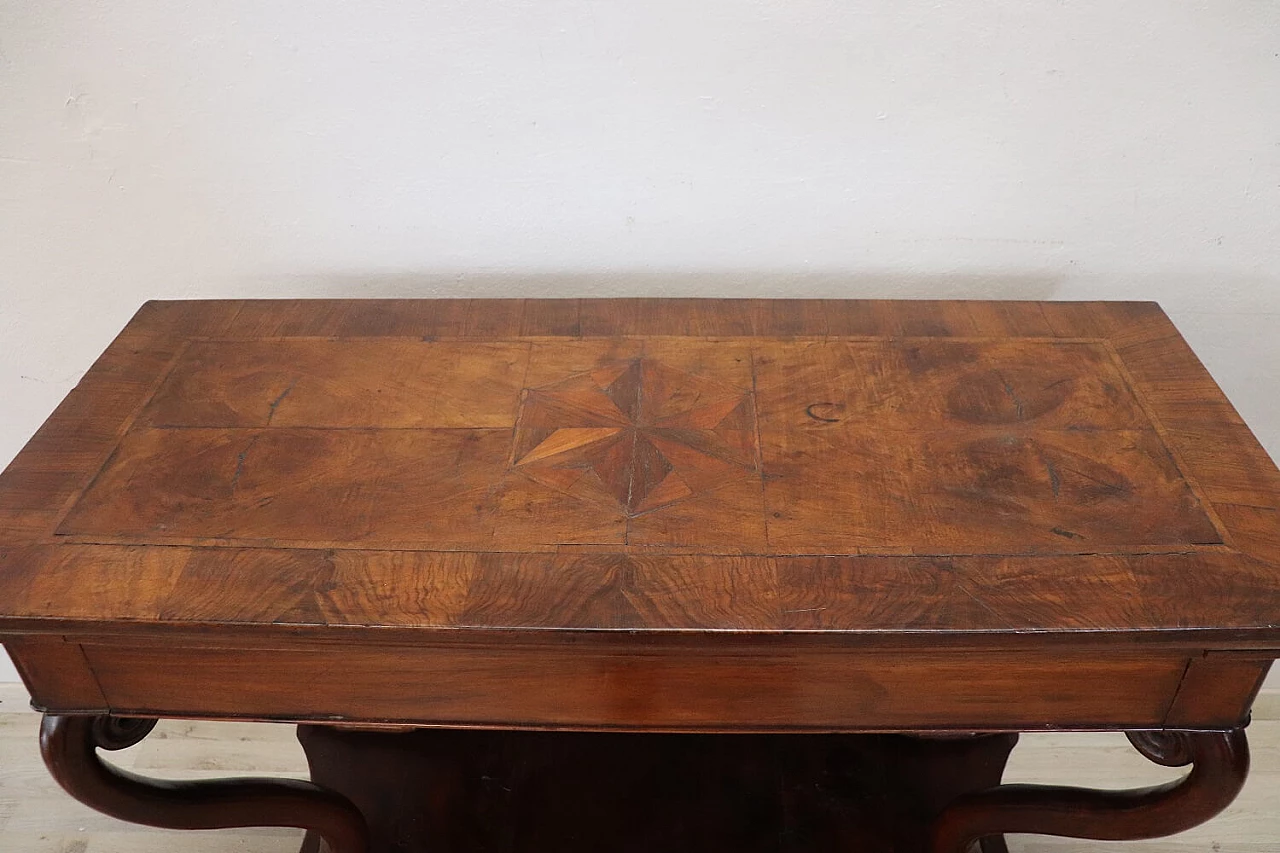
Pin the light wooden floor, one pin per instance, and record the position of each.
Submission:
(36, 817)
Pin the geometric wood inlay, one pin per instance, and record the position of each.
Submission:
(646, 434)
(996, 469)
(766, 446)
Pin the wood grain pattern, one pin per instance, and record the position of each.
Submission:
(58, 671)
(916, 475)
(903, 602)
(639, 688)
(917, 446)
(1211, 689)
(350, 383)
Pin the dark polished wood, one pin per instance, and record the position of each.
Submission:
(700, 516)
(1220, 763)
(69, 746)
(518, 792)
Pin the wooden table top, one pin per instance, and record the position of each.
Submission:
(897, 469)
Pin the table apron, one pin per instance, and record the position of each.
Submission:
(546, 686)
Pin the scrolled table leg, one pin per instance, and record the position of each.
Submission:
(69, 745)
(1220, 764)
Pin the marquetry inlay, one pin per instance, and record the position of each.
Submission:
(747, 446)
(648, 434)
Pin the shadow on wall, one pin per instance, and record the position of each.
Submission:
(657, 283)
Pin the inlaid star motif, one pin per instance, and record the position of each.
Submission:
(637, 432)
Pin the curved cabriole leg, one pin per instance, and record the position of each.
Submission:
(1220, 763)
(69, 746)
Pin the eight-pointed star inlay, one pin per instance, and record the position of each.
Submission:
(637, 431)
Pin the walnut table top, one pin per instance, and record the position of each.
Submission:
(646, 514)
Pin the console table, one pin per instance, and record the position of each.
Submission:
(575, 575)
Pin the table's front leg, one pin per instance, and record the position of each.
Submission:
(1219, 764)
(69, 745)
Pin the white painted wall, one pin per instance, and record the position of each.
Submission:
(982, 148)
